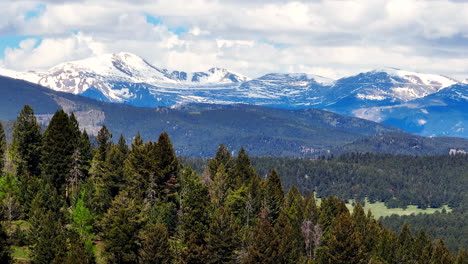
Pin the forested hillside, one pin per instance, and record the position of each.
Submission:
(67, 201)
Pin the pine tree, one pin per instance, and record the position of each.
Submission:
(264, 245)
(3, 146)
(154, 245)
(243, 172)
(75, 128)
(387, 246)
(290, 248)
(77, 250)
(122, 145)
(98, 194)
(330, 208)
(103, 140)
(222, 239)
(25, 148)
(462, 257)
(86, 152)
(25, 151)
(344, 244)
(422, 247)
(223, 156)
(405, 252)
(168, 166)
(120, 227)
(47, 234)
(57, 150)
(441, 254)
(274, 195)
(219, 187)
(195, 218)
(5, 251)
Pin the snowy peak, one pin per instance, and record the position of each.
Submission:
(211, 76)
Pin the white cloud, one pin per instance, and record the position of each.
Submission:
(331, 38)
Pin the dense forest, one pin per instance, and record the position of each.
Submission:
(67, 201)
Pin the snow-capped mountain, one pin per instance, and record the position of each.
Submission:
(383, 87)
(386, 95)
(119, 77)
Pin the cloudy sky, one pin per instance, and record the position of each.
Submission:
(253, 37)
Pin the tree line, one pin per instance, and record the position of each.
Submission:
(71, 202)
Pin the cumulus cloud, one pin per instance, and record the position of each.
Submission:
(331, 38)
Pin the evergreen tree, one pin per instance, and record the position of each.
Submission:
(330, 208)
(264, 245)
(344, 244)
(25, 148)
(274, 195)
(243, 171)
(223, 156)
(75, 128)
(462, 257)
(194, 219)
(219, 187)
(154, 245)
(290, 248)
(3, 146)
(441, 254)
(120, 227)
(222, 239)
(86, 152)
(57, 150)
(405, 252)
(122, 145)
(5, 251)
(387, 246)
(103, 140)
(422, 247)
(77, 250)
(168, 166)
(47, 234)
(97, 191)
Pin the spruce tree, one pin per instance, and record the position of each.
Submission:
(330, 208)
(168, 166)
(273, 195)
(344, 244)
(290, 248)
(219, 187)
(195, 218)
(222, 239)
(57, 150)
(154, 245)
(243, 172)
(441, 254)
(86, 152)
(120, 227)
(223, 156)
(264, 245)
(405, 252)
(103, 140)
(25, 148)
(462, 257)
(422, 247)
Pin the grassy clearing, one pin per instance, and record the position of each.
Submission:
(379, 209)
(21, 254)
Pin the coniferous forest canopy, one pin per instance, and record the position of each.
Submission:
(65, 200)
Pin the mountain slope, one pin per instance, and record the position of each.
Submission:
(198, 129)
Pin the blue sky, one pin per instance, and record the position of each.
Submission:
(330, 38)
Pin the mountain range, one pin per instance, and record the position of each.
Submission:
(426, 104)
(198, 129)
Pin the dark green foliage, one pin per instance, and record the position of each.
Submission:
(405, 252)
(243, 172)
(103, 140)
(86, 152)
(120, 227)
(462, 257)
(223, 156)
(441, 254)
(154, 245)
(195, 218)
(330, 209)
(77, 251)
(264, 245)
(274, 195)
(167, 168)
(5, 250)
(58, 147)
(344, 244)
(223, 240)
(26, 143)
